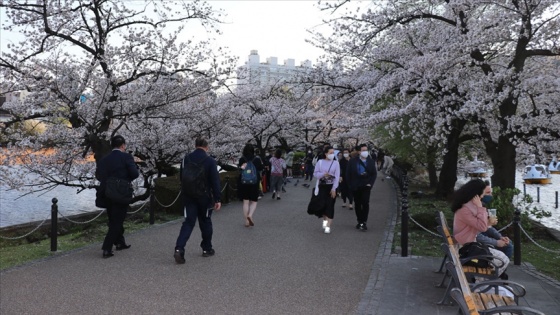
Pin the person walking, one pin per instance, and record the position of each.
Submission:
(248, 190)
(200, 188)
(345, 192)
(361, 173)
(278, 165)
(309, 165)
(289, 163)
(117, 164)
(327, 173)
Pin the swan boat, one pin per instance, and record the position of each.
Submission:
(537, 174)
(554, 166)
(477, 169)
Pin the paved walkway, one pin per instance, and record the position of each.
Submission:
(283, 265)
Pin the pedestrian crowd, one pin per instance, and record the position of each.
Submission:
(349, 174)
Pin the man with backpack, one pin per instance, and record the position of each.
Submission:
(200, 188)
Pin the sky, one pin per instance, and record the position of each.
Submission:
(274, 28)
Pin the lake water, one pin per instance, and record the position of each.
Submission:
(37, 207)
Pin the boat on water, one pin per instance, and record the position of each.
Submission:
(477, 169)
(537, 174)
(554, 166)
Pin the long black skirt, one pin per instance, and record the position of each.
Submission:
(322, 204)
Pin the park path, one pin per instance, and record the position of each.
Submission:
(283, 265)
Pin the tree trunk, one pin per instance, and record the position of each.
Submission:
(504, 164)
(432, 170)
(448, 173)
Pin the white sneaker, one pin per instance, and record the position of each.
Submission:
(327, 230)
(325, 224)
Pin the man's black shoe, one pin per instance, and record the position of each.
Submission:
(107, 254)
(363, 227)
(358, 226)
(179, 256)
(208, 253)
(122, 247)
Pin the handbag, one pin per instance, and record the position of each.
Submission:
(327, 180)
(100, 198)
(475, 254)
(119, 190)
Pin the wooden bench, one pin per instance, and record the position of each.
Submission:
(476, 298)
(489, 273)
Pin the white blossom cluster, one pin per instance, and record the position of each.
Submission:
(444, 71)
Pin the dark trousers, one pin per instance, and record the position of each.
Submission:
(115, 234)
(196, 208)
(345, 193)
(308, 171)
(361, 203)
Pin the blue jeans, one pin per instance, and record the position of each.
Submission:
(196, 208)
(508, 249)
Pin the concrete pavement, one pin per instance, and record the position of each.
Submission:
(283, 265)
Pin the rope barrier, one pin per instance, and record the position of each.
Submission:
(22, 236)
(538, 245)
(140, 208)
(78, 222)
(505, 227)
(425, 229)
(164, 206)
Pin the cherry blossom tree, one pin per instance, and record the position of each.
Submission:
(467, 69)
(94, 69)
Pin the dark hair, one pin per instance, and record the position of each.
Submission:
(200, 143)
(358, 148)
(361, 146)
(249, 150)
(345, 149)
(487, 182)
(467, 192)
(278, 154)
(117, 141)
(327, 148)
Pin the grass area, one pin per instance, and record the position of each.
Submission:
(17, 252)
(423, 243)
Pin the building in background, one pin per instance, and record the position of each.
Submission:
(270, 72)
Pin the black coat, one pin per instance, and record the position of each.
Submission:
(116, 164)
(354, 179)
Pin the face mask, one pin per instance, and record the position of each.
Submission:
(330, 156)
(346, 155)
(486, 199)
(364, 154)
(308, 151)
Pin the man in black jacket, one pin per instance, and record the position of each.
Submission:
(361, 173)
(118, 164)
(200, 207)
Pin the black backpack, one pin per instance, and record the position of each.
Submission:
(193, 178)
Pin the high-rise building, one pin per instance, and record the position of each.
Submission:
(269, 72)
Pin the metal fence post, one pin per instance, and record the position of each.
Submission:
(152, 204)
(517, 238)
(404, 216)
(54, 225)
(556, 206)
(538, 194)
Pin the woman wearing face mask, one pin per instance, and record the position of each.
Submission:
(343, 187)
(471, 218)
(492, 236)
(327, 172)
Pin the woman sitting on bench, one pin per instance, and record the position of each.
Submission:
(471, 218)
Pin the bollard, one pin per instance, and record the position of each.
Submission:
(524, 190)
(152, 204)
(517, 238)
(538, 194)
(556, 200)
(54, 225)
